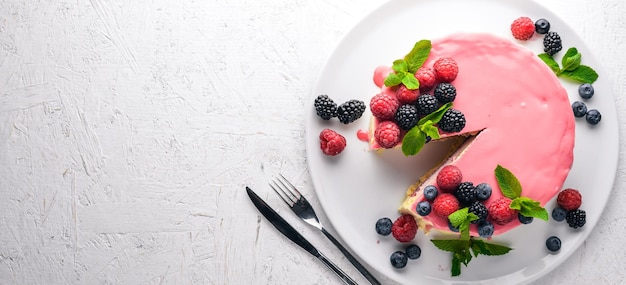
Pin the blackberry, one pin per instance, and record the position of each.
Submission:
(553, 243)
(542, 26)
(430, 192)
(445, 92)
(350, 111)
(406, 116)
(552, 43)
(523, 219)
(485, 229)
(452, 121)
(558, 214)
(585, 90)
(576, 218)
(426, 104)
(479, 209)
(466, 193)
(413, 251)
(383, 226)
(593, 116)
(579, 108)
(325, 107)
(398, 259)
(483, 191)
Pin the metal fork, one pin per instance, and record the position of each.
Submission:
(303, 209)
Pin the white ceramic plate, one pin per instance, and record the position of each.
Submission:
(358, 187)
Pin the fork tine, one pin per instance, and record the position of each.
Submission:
(292, 188)
(282, 196)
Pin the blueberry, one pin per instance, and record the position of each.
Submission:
(585, 90)
(383, 226)
(579, 108)
(413, 251)
(523, 219)
(483, 191)
(593, 116)
(398, 259)
(559, 214)
(553, 243)
(423, 208)
(485, 229)
(430, 192)
(542, 26)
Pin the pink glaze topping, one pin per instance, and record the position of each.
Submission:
(524, 114)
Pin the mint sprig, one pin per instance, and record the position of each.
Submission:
(466, 247)
(463, 251)
(415, 139)
(512, 189)
(404, 69)
(571, 67)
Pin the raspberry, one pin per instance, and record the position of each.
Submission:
(426, 77)
(569, 199)
(445, 204)
(350, 111)
(426, 104)
(384, 106)
(406, 95)
(387, 134)
(449, 178)
(325, 107)
(445, 92)
(552, 43)
(406, 116)
(446, 69)
(404, 228)
(331, 142)
(500, 211)
(576, 218)
(523, 28)
(452, 121)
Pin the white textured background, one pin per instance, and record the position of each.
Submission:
(128, 133)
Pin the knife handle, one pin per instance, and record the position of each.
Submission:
(344, 277)
(352, 259)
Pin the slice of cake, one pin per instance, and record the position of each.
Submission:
(517, 115)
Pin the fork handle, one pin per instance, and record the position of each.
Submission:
(351, 258)
(344, 277)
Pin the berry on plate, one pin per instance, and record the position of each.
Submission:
(553, 243)
(325, 107)
(552, 43)
(331, 142)
(523, 28)
(579, 108)
(413, 251)
(398, 259)
(383, 226)
(542, 26)
(576, 218)
(350, 111)
(569, 199)
(593, 116)
(404, 228)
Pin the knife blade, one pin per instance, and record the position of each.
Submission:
(286, 229)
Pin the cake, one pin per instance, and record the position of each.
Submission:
(518, 116)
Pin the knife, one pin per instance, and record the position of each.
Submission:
(287, 230)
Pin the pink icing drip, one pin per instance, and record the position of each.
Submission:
(528, 125)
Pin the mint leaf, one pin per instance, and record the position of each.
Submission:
(550, 62)
(459, 216)
(456, 266)
(418, 55)
(529, 208)
(393, 79)
(413, 141)
(487, 248)
(400, 66)
(430, 130)
(571, 59)
(582, 74)
(410, 81)
(451, 245)
(510, 186)
(435, 116)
